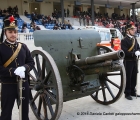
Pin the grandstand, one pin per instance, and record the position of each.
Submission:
(103, 15)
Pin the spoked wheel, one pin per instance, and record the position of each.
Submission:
(111, 88)
(46, 95)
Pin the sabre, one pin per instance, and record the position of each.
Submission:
(137, 75)
(20, 81)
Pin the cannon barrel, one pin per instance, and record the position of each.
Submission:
(116, 55)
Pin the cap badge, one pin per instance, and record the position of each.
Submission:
(12, 21)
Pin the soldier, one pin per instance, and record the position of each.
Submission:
(131, 49)
(11, 70)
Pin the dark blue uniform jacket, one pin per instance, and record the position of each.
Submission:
(126, 43)
(24, 58)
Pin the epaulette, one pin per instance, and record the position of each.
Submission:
(20, 42)
(23, 44)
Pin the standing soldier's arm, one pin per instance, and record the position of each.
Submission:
(125, 48)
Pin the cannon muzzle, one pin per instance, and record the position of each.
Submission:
(116, 55)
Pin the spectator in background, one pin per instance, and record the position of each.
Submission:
(4, 11)
(80, 20)
(32, 24)
(57, 24)
(24, 25)
(43, 22)
(64, 13)
(69, 25)
(49, 18)
(33, 17)
(84, 22)
(25, 13)
(9, 9)
(39, 16)
(0, 12)
(63, 26)
(46, 21)
(37, 28)
(25, 30)
(55, 27)
(87, 18)
(123, 16)
(123, 31)
(6, 14)
(68, 12)
(16, 8)
(17, 15)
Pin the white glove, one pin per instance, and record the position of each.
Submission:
(20, 71)
(22, 75)
(137, 53)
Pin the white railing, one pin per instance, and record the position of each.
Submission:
(25, 36)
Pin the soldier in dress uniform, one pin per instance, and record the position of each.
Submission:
(131, 49)
(13, 69)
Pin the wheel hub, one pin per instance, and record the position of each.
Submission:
(38, 87)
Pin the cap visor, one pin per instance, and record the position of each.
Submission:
(10, 28)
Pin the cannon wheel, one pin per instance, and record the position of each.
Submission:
(112, 85)
(46, 95)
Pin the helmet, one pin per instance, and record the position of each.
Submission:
(9, 22)
(130, 25)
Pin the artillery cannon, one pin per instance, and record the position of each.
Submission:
(70, 67)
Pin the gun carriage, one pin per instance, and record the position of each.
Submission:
(70, 66)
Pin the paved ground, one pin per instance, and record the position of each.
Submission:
(85, 108)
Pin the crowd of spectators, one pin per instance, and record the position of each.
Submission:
(9, 10)
(42, 18)
(62, 26)
(115, 21)
(14, 11)
(47, 20)
(32, 26)
(57, 13)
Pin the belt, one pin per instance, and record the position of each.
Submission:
(130, 59)
(9, 83)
